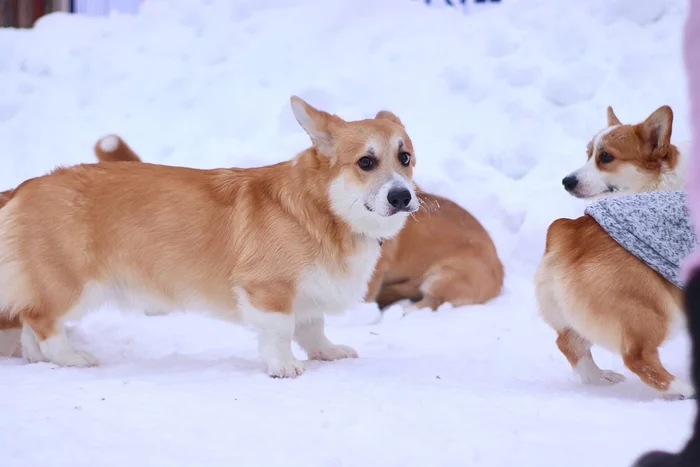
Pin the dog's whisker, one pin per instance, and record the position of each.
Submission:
(353, 204)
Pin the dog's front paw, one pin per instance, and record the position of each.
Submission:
(334, 352)
(76, 358)
(285, 368)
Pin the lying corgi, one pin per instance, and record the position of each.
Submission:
(274, 247)
(593, 291)
(111, 148)
(443, 254)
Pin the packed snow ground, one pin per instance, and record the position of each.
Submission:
(500, 103)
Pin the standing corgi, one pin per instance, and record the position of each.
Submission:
(443, 254)
(590, 289)
(274, 247)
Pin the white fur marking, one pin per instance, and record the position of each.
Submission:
(310, 335)
(321, 290)
(598, 138)
(275, 333)
(679, 389)
(591, 181)
(58, 349)
(374, 145)
(590, 373)
(30, 346)
(348, 201)
(109, 143)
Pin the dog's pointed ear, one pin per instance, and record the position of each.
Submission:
(319, 125)
(656, 129)
(385, 114)
(612, 118)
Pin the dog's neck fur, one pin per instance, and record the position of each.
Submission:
(673, 178)
(301, 186)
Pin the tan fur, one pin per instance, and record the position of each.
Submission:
(443, 250)
(592, 291)
(442, 255)
(247, 244)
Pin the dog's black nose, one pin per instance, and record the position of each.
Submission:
(570, 182)
(399, 198)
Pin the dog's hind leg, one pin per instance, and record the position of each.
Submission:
(690, 455)
(573, 345)
(577, 351)
(470, 277)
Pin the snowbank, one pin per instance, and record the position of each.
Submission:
(500, 104)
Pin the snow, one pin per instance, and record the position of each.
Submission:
(500, 102)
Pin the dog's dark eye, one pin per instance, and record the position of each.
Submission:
(606, 158)
(366, 162)
(404, 158)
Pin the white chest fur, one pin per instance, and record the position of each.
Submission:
(332, 289)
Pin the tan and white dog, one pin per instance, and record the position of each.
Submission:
(593, 291)
(274, 247)
(443, 254)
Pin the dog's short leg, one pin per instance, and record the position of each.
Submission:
(644, 361)
(47, 333)
(58, 349)
(275, 345)
(30, 346)
(428, 301)
(575, 347)
(266, 307)
(577, 351)
(309, 334)
(10, 342)
(275, 331)
(392, 293)
(461, 283)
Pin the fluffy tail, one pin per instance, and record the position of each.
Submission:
(690, 455)
(112, 148)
